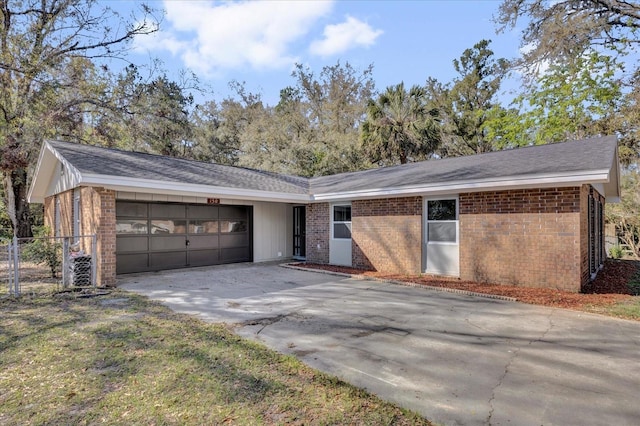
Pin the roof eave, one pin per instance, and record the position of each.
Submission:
(513, 182)
(128, 184)
(45, 167)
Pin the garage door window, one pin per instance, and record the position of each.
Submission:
(227, 226)
(203, 227)
(168, 226)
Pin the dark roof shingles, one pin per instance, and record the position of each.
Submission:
(574, 156)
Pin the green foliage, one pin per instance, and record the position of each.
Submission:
(121, 359)
(469, 102)
(616, 252)
(44, 250)
(314, 128)
(626, 214)
(48, 84)
(401, 126)
(569, 102)
(558, 32)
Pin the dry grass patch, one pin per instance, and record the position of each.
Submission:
(121, 359)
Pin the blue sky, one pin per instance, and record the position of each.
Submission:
(259, 42)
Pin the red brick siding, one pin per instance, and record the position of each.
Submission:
(318, 222)
(387, 235)
(98, 216)
(523, 237)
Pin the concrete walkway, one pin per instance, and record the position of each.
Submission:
(458, 360)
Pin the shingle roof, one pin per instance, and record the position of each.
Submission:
(581, 157)
(113, 162)
(574, 156)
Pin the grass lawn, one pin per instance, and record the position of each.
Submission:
(122, 359)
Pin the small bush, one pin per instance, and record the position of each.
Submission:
(44, 250)
(616, 252)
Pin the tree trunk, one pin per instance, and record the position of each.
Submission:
(15, 189)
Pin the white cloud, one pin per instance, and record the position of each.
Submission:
(339, 38)
(214, 36)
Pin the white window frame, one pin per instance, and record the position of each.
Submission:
(348, 223)
(456, 221)
(56, 216)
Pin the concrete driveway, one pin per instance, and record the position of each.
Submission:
(457, 359)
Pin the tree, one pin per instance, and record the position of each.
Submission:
(314, 128)
(400, 127)
(625, 215)
(569, 102)
(39, 39)
(466, 105)
(561, 31)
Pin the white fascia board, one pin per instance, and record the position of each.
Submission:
(516, 182)
(119, 183)
(46, 166)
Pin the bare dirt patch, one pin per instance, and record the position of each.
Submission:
(611, 286)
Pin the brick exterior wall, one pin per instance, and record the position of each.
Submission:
(530, 238)
(318, 232)
(98, 216)
(387, 235)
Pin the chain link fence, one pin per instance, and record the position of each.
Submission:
(45, 264)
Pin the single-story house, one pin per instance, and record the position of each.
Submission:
(531, 216)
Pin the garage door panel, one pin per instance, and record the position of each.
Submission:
(203, 242)
(127, 263)
(234, 240)
(177, 211)
(126, 244)
(202, 212)
(177, 242)
(153, 236)
(168, 260)
(203, 257)
(130, 209)
(238, 254)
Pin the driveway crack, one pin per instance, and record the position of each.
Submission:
(267, 321)
(512, 358)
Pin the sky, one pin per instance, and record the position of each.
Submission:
(259, 42)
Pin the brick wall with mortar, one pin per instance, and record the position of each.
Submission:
(98, 216)
(387, 235)
(524, 237)
(318, 222)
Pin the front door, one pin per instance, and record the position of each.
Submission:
(299, 227)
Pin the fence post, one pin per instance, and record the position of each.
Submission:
(65, 263)
(16, 267)
(94, 259)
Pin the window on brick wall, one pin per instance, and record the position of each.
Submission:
(341, 218)
(442, 221)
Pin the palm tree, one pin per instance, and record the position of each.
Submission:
(400, 127)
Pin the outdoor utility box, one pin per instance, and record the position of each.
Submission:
(81, 268)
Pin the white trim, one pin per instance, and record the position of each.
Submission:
(119, 183)
(333, 222)
(456, 221)
(439, 248)
(476, 185)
